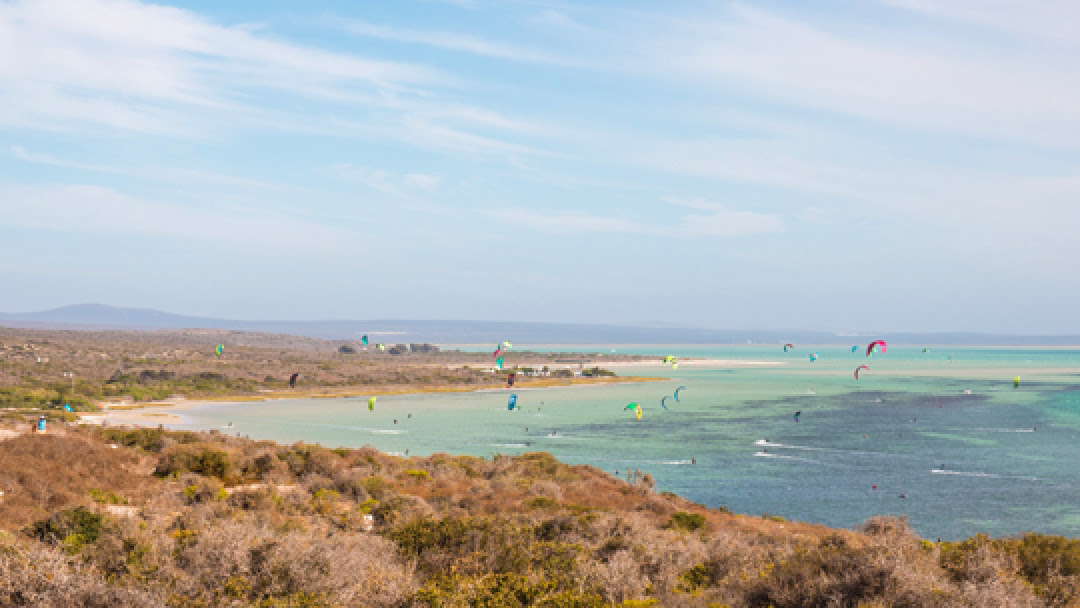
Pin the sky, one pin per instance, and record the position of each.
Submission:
(845, 165)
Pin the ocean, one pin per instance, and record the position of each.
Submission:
(941, 436)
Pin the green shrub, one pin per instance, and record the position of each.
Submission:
(688, 522)
(196, 459)
(106, 497)
(695, 578)
(448, 533)
(418, 474)
(504, 589)
(74, 527)
(541, 502)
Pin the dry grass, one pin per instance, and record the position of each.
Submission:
(42, 474)
(44, 369)
(457, 531)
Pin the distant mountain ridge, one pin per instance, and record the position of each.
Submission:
(100, 316)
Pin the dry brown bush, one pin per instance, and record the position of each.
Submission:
(619, 577)
(39, 576)
(293, 536)
(41, 474)
(546, 489)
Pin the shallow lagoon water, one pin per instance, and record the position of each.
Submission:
(998, 460)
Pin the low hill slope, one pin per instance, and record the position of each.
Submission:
(181, 518)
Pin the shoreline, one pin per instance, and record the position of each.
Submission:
(136, 414)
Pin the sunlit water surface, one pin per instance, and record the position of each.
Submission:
(998, 460)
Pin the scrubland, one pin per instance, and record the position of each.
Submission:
(42, 370)
(146, 517)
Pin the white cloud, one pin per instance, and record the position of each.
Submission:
(447, 40)
(720, 220)
(942, 82)
(171, 174)
(400, 186)
(122, 64)
(561, 21)
(422, 181)
(1036, 20)
(103, 211)
(562, 222)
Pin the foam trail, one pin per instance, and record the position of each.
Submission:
(388, 432)
(980, 474)
(768, 455)
(507, 445)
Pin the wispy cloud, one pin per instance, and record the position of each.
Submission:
(448, 41)
(400, 186)
(1038, 20)
(44, 159)
(945, 83)
(141, 67)
(560, 20)
(570, 223)
(720, 220)
(170, 173)
(104, 211)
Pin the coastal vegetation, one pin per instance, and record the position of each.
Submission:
(148, 517)
(42, 370)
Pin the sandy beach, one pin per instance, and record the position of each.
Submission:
(169, 411)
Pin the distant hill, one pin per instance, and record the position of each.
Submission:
(99, 316)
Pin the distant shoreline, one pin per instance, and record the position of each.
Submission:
(136, 414)
(337, 392)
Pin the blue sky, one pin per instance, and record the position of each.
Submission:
(847, 165)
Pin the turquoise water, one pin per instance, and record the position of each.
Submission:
(998, 460)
